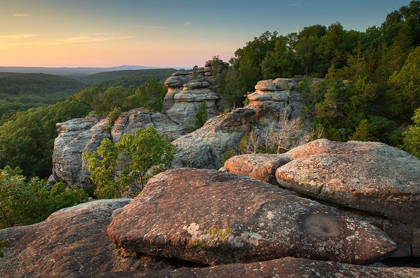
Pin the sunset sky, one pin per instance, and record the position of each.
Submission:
(161, 33)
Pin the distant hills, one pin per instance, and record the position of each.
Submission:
(71, 72)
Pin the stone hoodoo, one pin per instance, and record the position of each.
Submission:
(186, 91)
(272, 107)
(381, 182)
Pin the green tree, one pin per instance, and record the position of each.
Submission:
(411, 137)
(133, 157)
(404, 93)
(24, 202)
(200, 117)
(363, 132)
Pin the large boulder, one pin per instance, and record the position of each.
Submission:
(204, 148)
(213, 217)
(369, 176)
(72, 242)
(372, 168)
(286, 267)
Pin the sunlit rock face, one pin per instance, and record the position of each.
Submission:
(213, 217)
(381, 182)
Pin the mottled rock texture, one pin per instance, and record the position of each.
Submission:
(74, 138)
(204, 148)
(72, 242)
(259, 166)
(213, 217)
(286, 267)
(369, 176)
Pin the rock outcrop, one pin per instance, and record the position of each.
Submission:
(72, 242)
(74, 138)
(381, 182)
(269, 111)
(186, 91)
(286, 267)
(212, 217)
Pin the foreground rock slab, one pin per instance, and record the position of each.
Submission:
(70, 243)
(369, 176)
(286, 267)
(213, 217)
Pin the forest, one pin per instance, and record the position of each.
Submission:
(355, 86)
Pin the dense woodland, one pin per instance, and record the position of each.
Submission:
(356, 86)
(371, 80)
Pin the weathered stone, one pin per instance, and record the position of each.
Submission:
(368, 176)
(140, 118)
(72, 242)
(285, 267)
(215, 217)
(197, 84)
(259, 166)
(204, 148)
(265, 85)
(176, 81)
(181, 72)
(284, 84)
(75, 137)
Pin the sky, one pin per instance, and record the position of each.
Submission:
(161, 33)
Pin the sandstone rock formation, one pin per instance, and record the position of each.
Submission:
(75, 137)
(185, 93)
(371, 177)
(267, 113)
(286, 267)
(72, 242)
(212, 217)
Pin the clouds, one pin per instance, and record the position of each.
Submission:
(17, 37)
(24, 40)
(21, 15)
(186, 24)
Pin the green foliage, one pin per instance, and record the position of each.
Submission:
(126, 78)
(411, 140)
(200, 117)
(230, 153)
(27, 140)
(19, 92)
(135, 155)
(24, 202)
(106, 100)
(363, 132)
(404, 94)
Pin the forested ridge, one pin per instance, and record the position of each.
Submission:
(370, 86)
(355, 86)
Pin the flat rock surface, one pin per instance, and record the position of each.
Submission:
(286, 267)
(72, 242)
(215, 217)
(369, 176)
